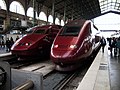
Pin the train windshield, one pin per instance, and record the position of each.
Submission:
(39, 31)
(71, 30)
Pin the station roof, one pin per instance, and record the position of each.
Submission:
(87, 9)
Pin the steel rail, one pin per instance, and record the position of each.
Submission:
(65, 81)
(25, 86)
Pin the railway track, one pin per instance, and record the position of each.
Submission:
(61, 81)
(54, 80)
(68, 78)
(73, 82)
(67, 81)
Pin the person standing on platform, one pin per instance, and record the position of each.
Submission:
(2, 42)
(118, 46)
(8, 45)
(114, 41)
(110, 45)
(103, 43)
(12, 42)
(17, 38)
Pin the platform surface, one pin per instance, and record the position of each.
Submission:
(114, 71)
(3, 50)
(104, 73)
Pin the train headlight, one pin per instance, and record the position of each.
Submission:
(73, 46)
(27, 44)
(55, 46)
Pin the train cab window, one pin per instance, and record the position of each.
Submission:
(72, 31)
(40, 31)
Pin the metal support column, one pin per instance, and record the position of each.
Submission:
(65, 11)
(34, 12)
(7, 20)
(53, 11)
(26, 4)
(47, 16)
(72, 11)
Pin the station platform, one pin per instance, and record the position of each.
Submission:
(3, 52)
(103, 74)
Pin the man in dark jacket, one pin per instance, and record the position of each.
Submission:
(8, 45)
(103, 43)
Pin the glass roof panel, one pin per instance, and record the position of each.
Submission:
(113, 0)
(118, 1)
(117, 4)
(109, 5)
(109, 0)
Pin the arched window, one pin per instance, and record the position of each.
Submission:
(30, 12)
(50, 19)
(17, 7)
(43, 16)
(62, 23)
(3, 5)
(57, 21)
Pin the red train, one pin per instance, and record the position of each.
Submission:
(75, 42)
(37, 42)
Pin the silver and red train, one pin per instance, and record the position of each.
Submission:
(37, 42)
(75, 42)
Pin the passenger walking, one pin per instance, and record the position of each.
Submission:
(17, 38)
(114, 41)
(11, 41)
(103, 43)
(8, 45)
(110, 45)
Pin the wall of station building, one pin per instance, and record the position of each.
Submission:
(8, 18)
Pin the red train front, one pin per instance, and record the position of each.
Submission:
(74, 43)
(36, 43)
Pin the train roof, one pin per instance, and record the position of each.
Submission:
(77, 22)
